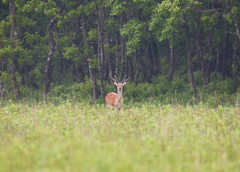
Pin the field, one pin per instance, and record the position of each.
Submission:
(78, 137)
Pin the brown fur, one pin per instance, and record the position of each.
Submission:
(111, 100)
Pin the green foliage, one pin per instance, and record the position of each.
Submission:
(117, 7)
(133, 31)
(93, 35)
(225, 86)
(72, 52)
(34, 5)
(81, 91)
(169, 15)
(141, 93)
(210, 20)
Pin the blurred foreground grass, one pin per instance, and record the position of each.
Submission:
(82, 137)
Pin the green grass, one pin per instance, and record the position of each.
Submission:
(82, 137)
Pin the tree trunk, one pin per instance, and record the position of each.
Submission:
(61, 65)
(150, 59)
(188, 44)
(106, 69)
(225, 53)
(235, 71)
(49, 68)
(116, 55)
(80, 76)
(171, 64)
(122, 59)
(157, 58)
(210, 44)
(126, 73)
(130, 68)
(94, 82)
(199, 49)
(129, 58)
(137, 68)
(14, 80)
(216, 70)
(123, 50)
(13, 64)
(101, 52)
(109, 60)
(235, 19)
(110, 68)
(22, 80)
(1, 90)
(144, 69)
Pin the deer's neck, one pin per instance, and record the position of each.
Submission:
(119, 97)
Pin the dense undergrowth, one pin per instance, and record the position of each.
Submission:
(83, 137)
(160, 91)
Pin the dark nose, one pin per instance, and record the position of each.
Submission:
(119, 89)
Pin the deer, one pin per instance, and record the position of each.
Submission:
(116, 100)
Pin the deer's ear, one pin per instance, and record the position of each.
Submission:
(124, 83)
(115, 83)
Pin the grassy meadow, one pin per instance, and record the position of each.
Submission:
(78, 137)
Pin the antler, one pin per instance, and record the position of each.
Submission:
(124, 80)
(114, 80)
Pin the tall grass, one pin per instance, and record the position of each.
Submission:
(73, 136)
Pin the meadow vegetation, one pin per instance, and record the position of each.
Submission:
(76, 136)
(162, 127)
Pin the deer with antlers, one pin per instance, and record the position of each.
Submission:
(113, 99)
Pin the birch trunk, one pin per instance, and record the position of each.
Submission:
(49, 67)
(171, 64)
(91, 73)
(199, 49)
(225, 53)
(210, 44)
(101, 53)
(235, 71)
(13, 65)
(123, 49)
(137, 68)
(216, 70)
(116, 56)
(188, 44)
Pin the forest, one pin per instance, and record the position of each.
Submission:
(185, 49)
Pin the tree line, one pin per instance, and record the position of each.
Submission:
(102, 38)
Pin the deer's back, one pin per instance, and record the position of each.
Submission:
(111, 99)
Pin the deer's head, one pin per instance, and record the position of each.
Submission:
(121, 84)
